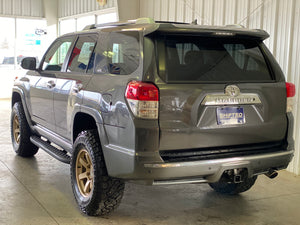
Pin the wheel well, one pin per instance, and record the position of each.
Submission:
(16, 97)
(83, 122)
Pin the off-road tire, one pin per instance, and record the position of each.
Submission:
(106, 192)
(232, 188)
(18, 123)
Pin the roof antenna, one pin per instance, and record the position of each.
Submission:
(194, 22)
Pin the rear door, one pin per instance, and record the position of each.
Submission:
(217, 92)
(76, 75)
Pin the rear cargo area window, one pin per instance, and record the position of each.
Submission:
(123, 53)
(200, 59)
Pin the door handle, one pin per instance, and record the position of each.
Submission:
(24, 79)
(50, 84)
(78, 87)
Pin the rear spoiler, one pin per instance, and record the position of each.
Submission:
(197, 30)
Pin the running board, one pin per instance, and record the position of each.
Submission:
(51, 150)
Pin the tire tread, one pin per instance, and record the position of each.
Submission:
(25, 148)
(108, 191)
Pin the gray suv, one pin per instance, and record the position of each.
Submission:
(155, 103)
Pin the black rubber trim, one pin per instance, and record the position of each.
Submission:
(221, 152)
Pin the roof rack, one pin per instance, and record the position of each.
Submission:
(171, 22)
(194, 22)
(144, 20)
(120, 23)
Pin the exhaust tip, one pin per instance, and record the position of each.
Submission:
(271, 174)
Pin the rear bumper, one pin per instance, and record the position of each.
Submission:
(204, 171)
(212, 170)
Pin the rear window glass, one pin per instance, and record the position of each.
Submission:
(203, 59)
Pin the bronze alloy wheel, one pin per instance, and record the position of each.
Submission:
(95, 191)
(84, 173)
(16, 129)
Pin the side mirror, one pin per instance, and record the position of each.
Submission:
(29, 63)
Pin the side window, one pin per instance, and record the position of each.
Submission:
(56, 55)
(123, 53)
(82, 57)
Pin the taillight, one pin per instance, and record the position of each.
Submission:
(290, 90)
(290, 93)
(143, 99)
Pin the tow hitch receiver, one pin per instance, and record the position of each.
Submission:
(235, 175)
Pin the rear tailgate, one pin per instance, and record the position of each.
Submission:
(217, 92)
(186, 122)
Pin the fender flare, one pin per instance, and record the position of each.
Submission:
(96, 115)
(22, 95)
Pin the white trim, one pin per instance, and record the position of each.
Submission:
(23, 17)
(117, 10)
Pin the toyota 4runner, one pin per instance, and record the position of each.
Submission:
(155, 103)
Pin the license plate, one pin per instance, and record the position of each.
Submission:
(230, 115)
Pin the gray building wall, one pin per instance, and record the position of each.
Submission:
(74, 7)
(22, 8)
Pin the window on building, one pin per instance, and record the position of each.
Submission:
(20, 38)
(31, 39)
(79, 22)
(82, 22)
(67, 26)
(107, 18)
(7, 43)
